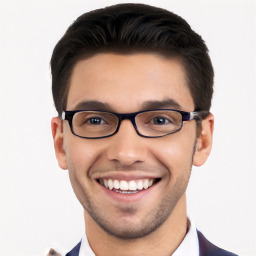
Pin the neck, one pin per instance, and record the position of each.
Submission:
(163, 242)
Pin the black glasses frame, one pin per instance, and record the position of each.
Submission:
(186, 116)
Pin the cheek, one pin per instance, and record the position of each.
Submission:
(176, 153)
(81, 155)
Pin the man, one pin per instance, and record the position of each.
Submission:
(132, 85)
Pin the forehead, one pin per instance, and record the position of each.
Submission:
(126, 82)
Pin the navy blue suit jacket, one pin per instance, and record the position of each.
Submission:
(206, 248)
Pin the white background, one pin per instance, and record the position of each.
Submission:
(38, 208)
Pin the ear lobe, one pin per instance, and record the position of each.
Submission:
(57, 134)
(204, 141)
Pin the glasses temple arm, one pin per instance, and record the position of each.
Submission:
(198, 115)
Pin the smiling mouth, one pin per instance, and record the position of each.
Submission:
(128, 187)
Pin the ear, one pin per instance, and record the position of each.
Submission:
(57, 134)
(204, 141)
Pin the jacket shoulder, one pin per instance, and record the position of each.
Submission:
(206, 248)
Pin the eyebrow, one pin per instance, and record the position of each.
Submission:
(148, 105)
(93, 105)
(159, 104)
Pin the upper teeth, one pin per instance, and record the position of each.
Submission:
(127, 185)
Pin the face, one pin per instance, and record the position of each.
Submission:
(125, 84)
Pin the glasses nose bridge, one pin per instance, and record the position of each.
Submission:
(129, 116)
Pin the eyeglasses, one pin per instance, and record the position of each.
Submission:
(93, 124)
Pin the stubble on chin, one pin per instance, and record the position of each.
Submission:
(147, 224)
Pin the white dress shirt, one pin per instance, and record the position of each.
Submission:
(189, 245)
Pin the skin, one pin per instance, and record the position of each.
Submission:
(155, 222)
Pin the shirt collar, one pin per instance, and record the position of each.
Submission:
(189, 245)
(85, 249)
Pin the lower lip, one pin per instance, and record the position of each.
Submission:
(133, 197)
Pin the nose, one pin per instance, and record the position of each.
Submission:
(126, 146)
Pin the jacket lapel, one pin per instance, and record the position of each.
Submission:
(75, 250)
(206, 248)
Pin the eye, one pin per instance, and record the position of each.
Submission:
(95, 121)
(159, 120)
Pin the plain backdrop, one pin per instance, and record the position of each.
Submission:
(38, 207)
